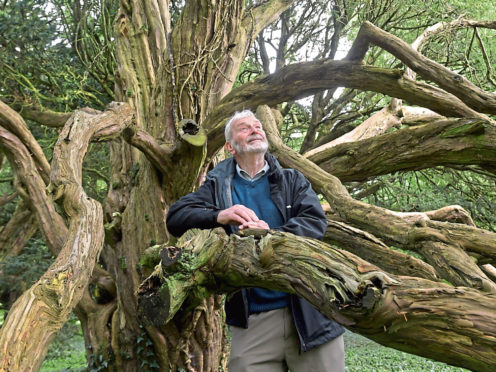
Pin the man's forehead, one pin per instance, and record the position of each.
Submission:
(246, 120)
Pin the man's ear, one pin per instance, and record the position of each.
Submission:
(229, 147)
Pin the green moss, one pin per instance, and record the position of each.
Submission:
(476, 128)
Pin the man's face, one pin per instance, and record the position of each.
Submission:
(247, 136)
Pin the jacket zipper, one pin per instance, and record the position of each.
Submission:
(303, 346)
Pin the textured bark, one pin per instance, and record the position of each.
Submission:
(17, 231)
(371, 249)
(443, 245)
(172, 73)
(376, 125)
(446, 142)
(40, 115)
(31, 187)
(451, 82)
(40, 312)
(302, 79)
(175, 78)
(13, 122)
(390, 309)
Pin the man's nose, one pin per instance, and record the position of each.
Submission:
(256, 130)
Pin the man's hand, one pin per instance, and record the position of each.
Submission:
(241, 216)
(260, 224)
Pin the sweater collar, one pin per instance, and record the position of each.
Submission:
(243, 174)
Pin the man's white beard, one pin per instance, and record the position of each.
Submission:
(258, 147)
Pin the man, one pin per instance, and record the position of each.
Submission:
(271, 330)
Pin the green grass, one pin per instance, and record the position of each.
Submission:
(67, 354)
(364, 355)
(74, 363)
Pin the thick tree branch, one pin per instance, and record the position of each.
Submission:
(391, 116)
(451, 82)
(375, 125)
(446, 142)
(40, 115)
(441, 244)
(302, 79)
(156, 153)
(371, 249)
(41, 311)
(7, 198)
(20, 228)
(386, 308)
(14, 123)
(32, 188)
(256, 19)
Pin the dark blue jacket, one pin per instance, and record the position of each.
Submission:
(302, 214)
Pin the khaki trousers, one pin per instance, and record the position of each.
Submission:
(270, 344)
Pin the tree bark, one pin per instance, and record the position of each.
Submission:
(40, 312)
(393, 310)
(443, 245)
(447, 142)
(302, 79)
(173, 73)
(451, 82)
(17, 232)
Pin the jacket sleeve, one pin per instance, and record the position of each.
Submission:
(194, 210)
(307, 218)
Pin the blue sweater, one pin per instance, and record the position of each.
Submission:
(256, 196)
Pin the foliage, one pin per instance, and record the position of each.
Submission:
(95, 171)
(362, 355)
(435, 188)
(146, 354)
(38, 63)
(19, 272)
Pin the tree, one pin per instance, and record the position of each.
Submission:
(175, 68)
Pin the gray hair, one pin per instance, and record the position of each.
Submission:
(237, 115)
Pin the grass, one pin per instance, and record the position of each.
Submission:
(67, 354)
(364, 355)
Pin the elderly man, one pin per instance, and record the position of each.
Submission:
(271, 330)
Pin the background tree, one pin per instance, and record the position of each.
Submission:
(172, 66)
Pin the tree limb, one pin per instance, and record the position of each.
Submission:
(40, 115)
(302, 79)
(20, 228)
(451, 82)
(441, 244)
(41, 311)
(261, 16)
(156, 153)
(14, 123)
(389, 309)
(446, 142)
(32, 188)
(375, 125)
